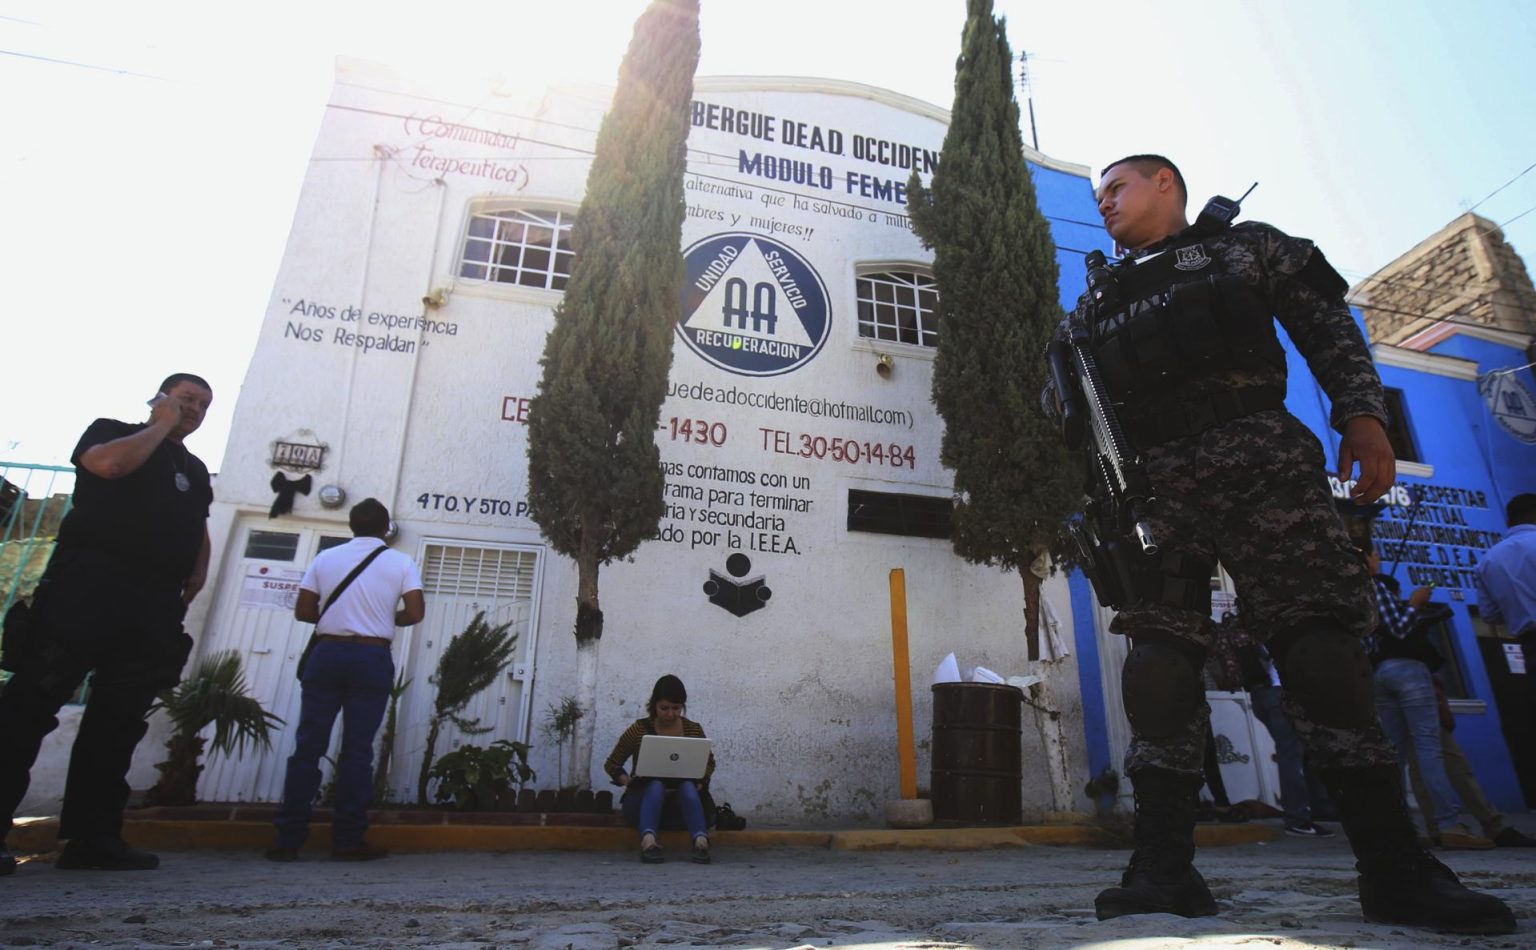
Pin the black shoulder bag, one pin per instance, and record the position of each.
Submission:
(345, 583)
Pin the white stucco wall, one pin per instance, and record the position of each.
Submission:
(45, 795)
(798, 695)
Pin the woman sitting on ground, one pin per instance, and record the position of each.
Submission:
(645, 799)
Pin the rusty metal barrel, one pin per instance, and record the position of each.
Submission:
(977, 754)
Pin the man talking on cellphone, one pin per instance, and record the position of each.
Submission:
(131, 555)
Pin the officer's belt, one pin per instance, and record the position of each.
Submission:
(1194, 416)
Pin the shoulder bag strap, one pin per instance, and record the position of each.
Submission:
(347, 581)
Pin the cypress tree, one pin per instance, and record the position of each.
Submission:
(594, 471)
(995, 265)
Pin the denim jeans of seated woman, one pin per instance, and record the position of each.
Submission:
(643, 804)
(1410, 714)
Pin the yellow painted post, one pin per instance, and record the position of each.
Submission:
(906, 751)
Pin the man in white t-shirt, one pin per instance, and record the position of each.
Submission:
(350, 672)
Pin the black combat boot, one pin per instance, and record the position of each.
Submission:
(1400, 882)
(1161, 878)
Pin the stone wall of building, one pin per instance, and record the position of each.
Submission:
(1465, 273)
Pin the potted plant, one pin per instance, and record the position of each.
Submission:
(560, 721)
(476, 778)
(470, 662)
(214, 695)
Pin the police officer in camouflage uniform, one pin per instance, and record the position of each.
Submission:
(1190, 355)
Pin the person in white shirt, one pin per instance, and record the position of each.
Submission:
(350, 672)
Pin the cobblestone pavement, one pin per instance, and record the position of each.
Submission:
(1289, 894)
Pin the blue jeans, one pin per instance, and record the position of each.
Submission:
(1294, 797)
(353, 680)
(1410, 714)
(643, 802)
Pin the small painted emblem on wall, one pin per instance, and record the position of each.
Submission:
(752, 306)
(740, 595)
(1510, 403)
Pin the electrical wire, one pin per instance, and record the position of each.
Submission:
(116, 71)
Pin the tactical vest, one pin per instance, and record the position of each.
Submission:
(1180, 315)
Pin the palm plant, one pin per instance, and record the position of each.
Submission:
(214, 695)
(470, 662)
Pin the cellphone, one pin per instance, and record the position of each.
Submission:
(156, 399)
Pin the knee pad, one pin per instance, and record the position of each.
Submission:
(1327, 672)
(1161, 688)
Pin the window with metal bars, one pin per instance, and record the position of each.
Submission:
(529, 247)
(898, 306)
(915, 516)
(495, 574)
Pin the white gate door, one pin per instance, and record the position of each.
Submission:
(461, 579)
(255, 618)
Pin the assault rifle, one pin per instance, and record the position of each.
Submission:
(1111, 535)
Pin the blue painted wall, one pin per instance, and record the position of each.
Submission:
(1069, 207)
(1482, 466)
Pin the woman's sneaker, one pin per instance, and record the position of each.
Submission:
(1307, 829)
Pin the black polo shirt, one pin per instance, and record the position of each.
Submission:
(143, 522)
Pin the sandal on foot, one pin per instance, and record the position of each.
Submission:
(651, 855)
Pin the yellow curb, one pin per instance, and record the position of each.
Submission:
(942, 839)
(971, 839)
(1078, 834)
(1216, 836)
(41, 836)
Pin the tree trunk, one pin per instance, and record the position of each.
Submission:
(1053, 744)
(1031, 612)
(589, 634)
(179, 772)
(1047, 716)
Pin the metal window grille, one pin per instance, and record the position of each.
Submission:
(530, 247)
(492, 574)
(916, 516)
(272, 545)
(899, 306)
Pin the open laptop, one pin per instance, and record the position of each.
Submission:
(672, 757)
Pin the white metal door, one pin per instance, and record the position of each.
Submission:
(460, 579)
(255, 618)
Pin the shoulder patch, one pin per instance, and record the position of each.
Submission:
(1191, 258)
(1319, 275)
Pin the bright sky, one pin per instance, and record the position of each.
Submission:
(151, 153)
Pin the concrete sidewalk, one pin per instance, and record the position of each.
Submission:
(1287, 894)
(250, 827)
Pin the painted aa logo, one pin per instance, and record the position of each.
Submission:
(1511, 404)
(752, 306)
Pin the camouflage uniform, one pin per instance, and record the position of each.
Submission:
(1185, 342)
(1252, 492)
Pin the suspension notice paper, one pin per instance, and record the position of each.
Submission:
(270, 588)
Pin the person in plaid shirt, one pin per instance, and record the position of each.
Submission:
(1405, 699)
